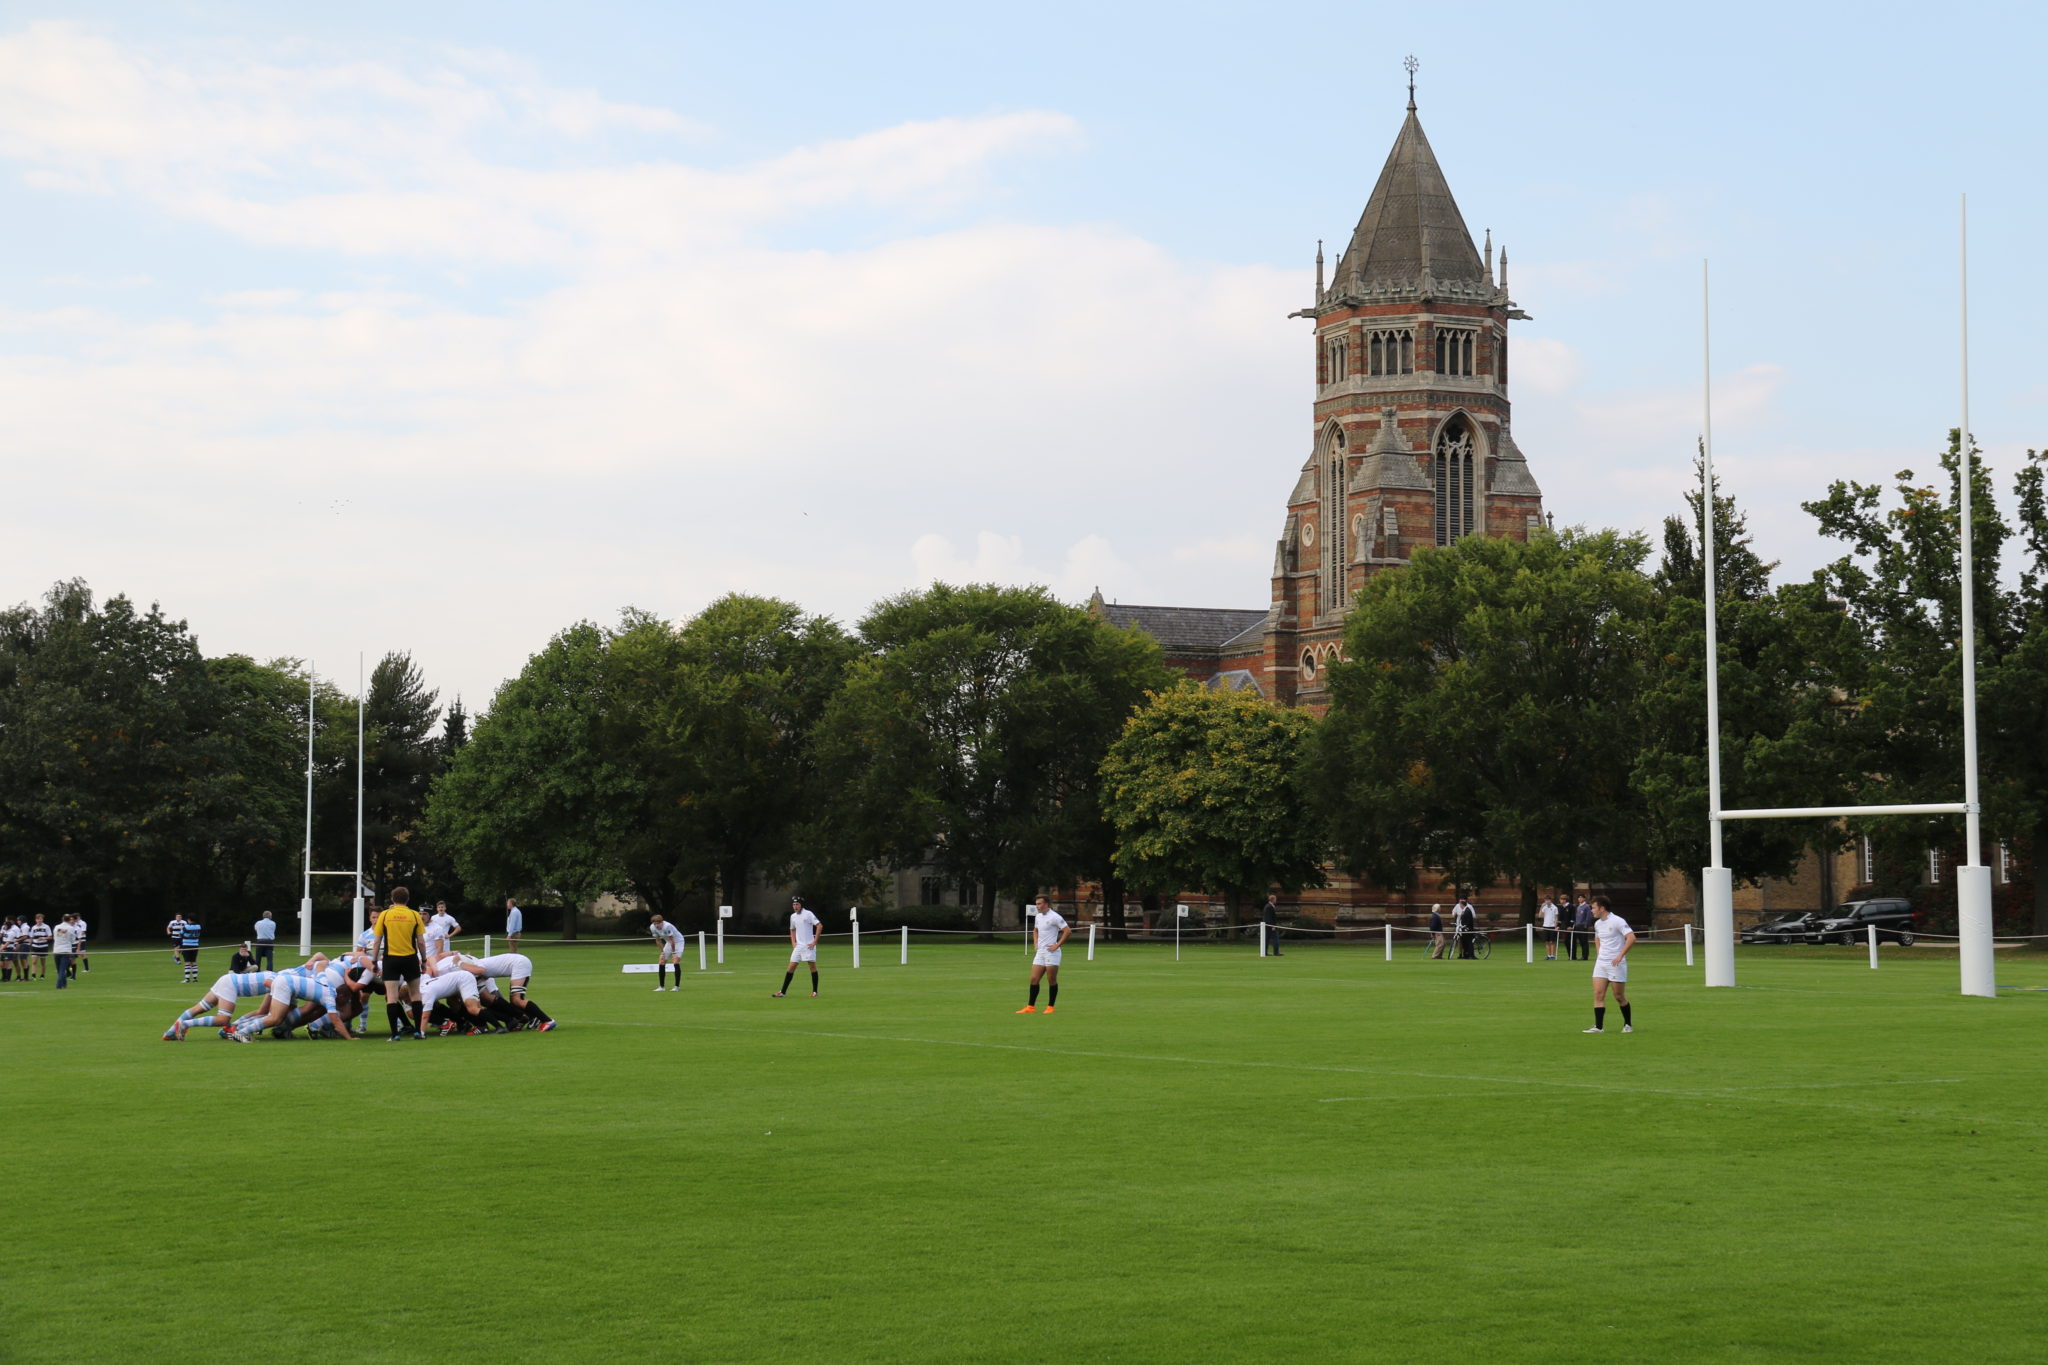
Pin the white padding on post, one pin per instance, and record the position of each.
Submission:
(1973, 929)
(1717, 904)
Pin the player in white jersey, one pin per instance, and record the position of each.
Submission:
(515, 970)
(803, 945)
(1610, 965)
(1045, 958)
(448, 980)
(440, 929)
(668, 948)
(217, 1008)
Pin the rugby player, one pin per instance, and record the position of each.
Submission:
(803, 945)
(669, 944)
(1052, 936)
(324, 985)
(216, 1009)
(441, 928)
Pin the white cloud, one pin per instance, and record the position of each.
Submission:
(669, 409)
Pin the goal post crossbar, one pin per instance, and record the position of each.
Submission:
(1846, 812)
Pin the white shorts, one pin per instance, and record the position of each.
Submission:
(668, 950)
(224, 990)
(806, 954)
(281, 990)
(1611, 971)
(1047, 957)
(457, 982)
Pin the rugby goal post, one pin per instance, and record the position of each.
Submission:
(306, 896)
(1973, 879)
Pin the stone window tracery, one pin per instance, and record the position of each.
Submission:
(1454, 475)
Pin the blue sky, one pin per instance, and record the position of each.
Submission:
(440, 327)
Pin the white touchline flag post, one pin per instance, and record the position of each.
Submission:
(1973, 879)
(724, 914)
(1180, 912)
(1091, 940)
(702, 965)
(853, 918)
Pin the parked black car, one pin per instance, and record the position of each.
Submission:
(1851, 922)
(1789, 929)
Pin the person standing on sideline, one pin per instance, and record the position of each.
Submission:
(39, 946)
(515, 924)
(1610, 965)
(669, 944)
(1582, 924)
(63, 942)
(1549, 913)
(266, 942)
(188, 948)
(175, 932)
(399, 931)
(1436, 930)
(80, 962)
(1464, 924)
(803, 945)
(1045, 961)
(1271, 916)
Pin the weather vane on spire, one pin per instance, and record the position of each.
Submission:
(1411, 64)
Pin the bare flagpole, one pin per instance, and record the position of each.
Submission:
(1717, 886)
(1973, 879)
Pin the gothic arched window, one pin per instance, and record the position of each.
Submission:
(1454, 472)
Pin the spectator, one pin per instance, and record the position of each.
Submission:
(515, 922)
(1582, 925)
(1271, 916)
(1464, 923)
(63, 941)
(1436, 930)
(266, 942)
(1549, 915)
(244, 959)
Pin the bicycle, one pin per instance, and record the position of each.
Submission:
(1478, 941)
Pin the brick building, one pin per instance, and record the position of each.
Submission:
(1409, 439)
(1409, 445)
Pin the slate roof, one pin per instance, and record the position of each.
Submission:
(1182, 630)
(1410, 203)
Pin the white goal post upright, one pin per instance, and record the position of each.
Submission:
(355, 876)
(1973, 878)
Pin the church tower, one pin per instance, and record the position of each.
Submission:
(1410, 445)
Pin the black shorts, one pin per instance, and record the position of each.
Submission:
(1550, 935)
(189, 954)
(400, 970)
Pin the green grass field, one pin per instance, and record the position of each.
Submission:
(1320, 1157)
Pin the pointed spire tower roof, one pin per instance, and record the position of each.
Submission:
(1411, 228)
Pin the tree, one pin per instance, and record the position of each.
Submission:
(721, 715)
(971, 734)
(401, 758)
(1203, 789)
(116, 769)
(535, 802)
(1482, 721)
(255, 855)
(1903, 592)
(1784, 733)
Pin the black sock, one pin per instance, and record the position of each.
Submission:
(788, 977)
(814, 983)
(397, 1017)
(1034, 993)
(1625, 1017)
(1599, 1016)
(1052, 995)
(536, 1012)
(419, 1021)
(660, 975)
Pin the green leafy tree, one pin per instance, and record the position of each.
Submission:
(1204, 791)
(970, 736)
(721, 715)
(256, 852)
(1785, 738)
(1483, 720)
(1901, 588)
(536, 802)
(116, 769)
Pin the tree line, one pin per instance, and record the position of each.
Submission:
(1504, 710)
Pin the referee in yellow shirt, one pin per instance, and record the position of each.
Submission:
(399, 931)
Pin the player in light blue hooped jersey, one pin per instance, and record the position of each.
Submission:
(328, 989)
(218, 1006)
